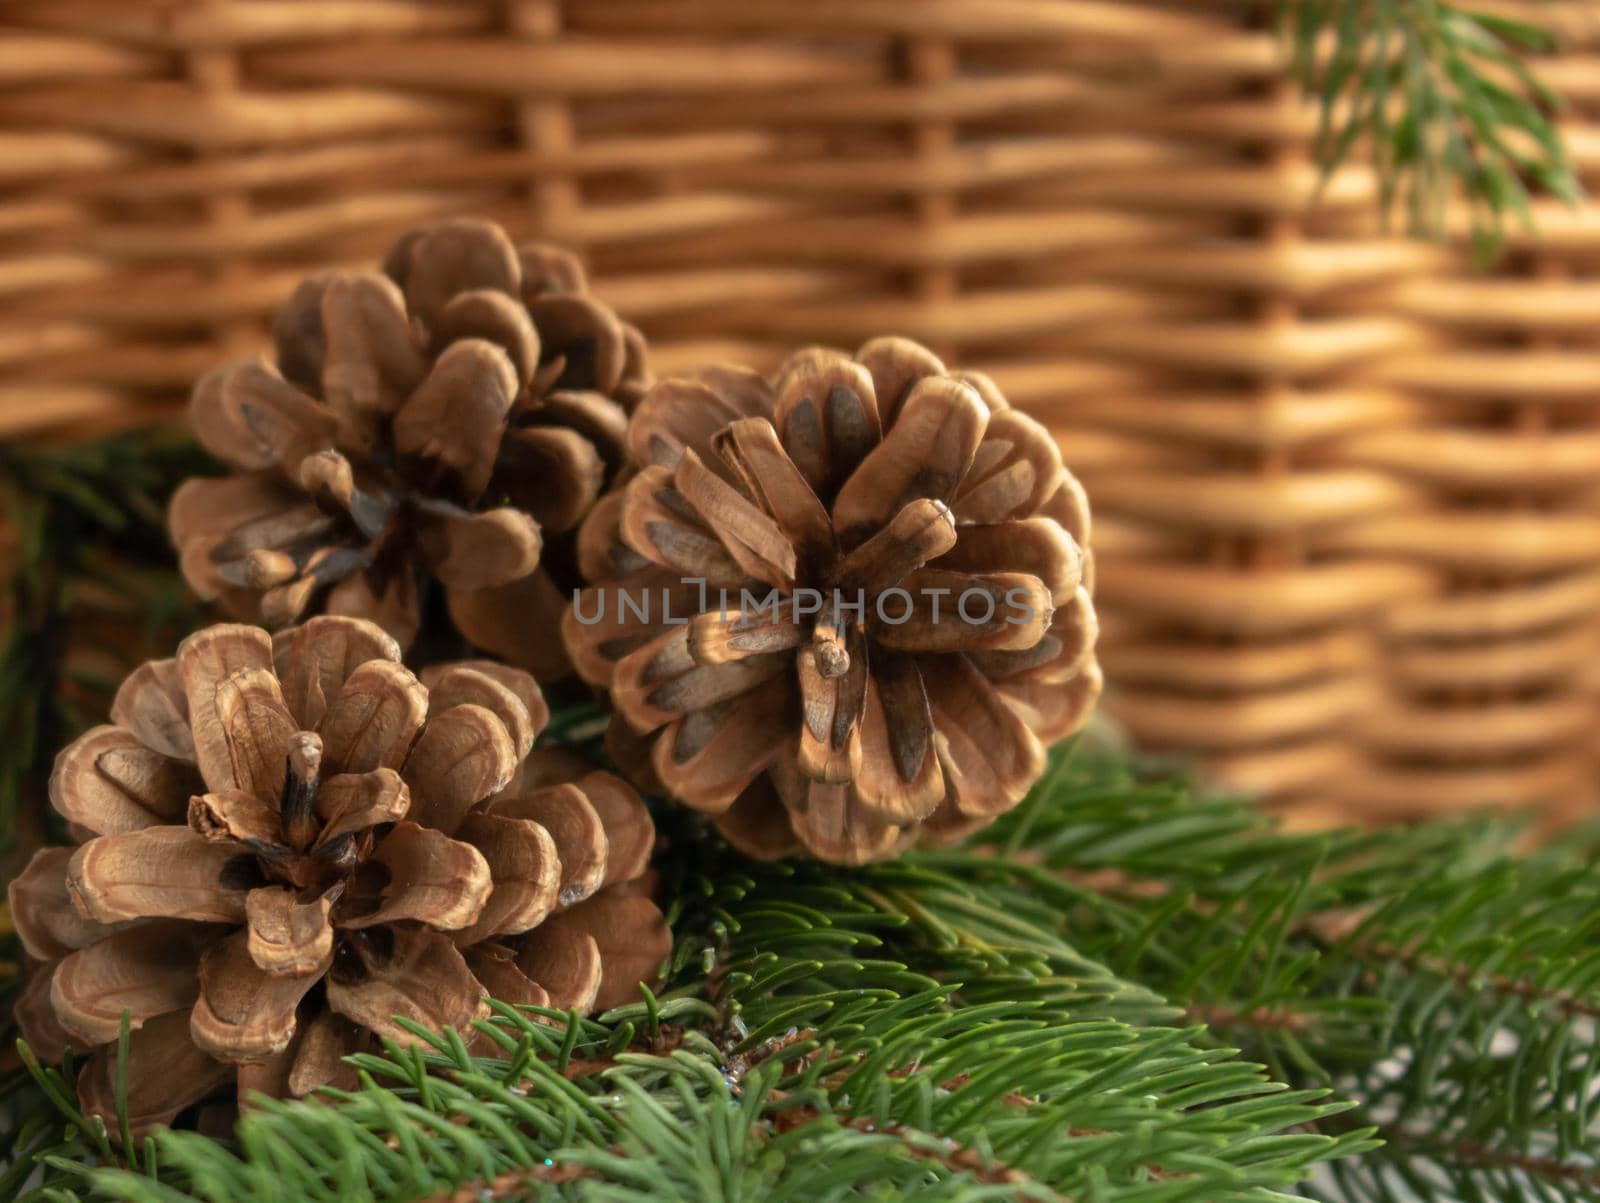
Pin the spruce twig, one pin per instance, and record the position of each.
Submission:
(91, 591)
(1441, 96)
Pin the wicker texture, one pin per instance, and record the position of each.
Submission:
(1347, 530)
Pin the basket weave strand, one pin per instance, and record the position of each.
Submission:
(1348, 540)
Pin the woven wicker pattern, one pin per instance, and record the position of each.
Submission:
(1349, 543)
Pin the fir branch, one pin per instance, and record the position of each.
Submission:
(949, 1008)
(1446, 987)
(91, 592)
(1440, 95)
(812, 1041)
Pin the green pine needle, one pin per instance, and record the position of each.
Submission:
(950, 1025)
(93, 576)
(1440, 98)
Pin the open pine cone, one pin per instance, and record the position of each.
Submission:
(288, 842)
(847, 732)
(446, 419)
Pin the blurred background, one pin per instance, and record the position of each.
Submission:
(1346, 482)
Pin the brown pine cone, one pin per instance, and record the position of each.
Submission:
(445, 419)
(289, 841)
(887, 483)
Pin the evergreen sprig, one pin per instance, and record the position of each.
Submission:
(1441, 96)
(1447, 987)
(817, 1037)
(91, 590)
(1050, 1014)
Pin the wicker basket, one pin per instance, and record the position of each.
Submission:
(1349, 538)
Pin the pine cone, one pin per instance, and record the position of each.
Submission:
(445, 419)
(290, 841)
(851, 731)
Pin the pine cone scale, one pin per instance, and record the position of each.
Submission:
(613, 922)
(585, 347)
(157, 873)
(718, 637)
(827, 417)
(361, 353)
(689, 413)
(243, 1012)
(479, 683)
(205, 660)
(235, 816)
(150, 706)
(525, 871)
(659, 524)
(565, 813)
(566, 964)
(706, 758)
(147, 777)
(925, 454)
(314, 1058)
(373, 720)
(750, 536)
(104, 783)
(47, 921)
(257, 729)
(496, 967)
(625, 825)
(460, 758)
(830, 705)
(165, 1072)
(552, 473)
(347, 803)
(253, 418)
(415, 974)
(426, 877)
(147, 971)
(833, 829)
(493, 317)
(899, 778)
(288, 935)
(447, 433)
(989, 755)
(751, 449)
(480, 551)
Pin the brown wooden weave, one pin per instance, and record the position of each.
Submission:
(1348, 540)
